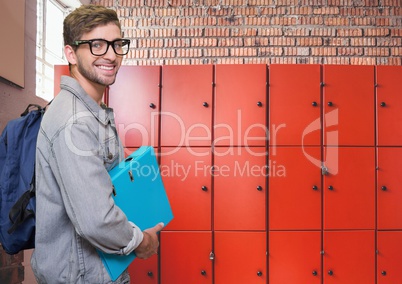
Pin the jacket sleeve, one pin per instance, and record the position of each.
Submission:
(86, 189)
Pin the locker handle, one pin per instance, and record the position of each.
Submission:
(330, 187)
(259, 188)
(383, 273)
(259, 273)
(204, 188)
(382, 104)
(259, 104)
(203, 272)
(330, 273)
(383, 188)
(315, 273)
(205, 104)
(315, 187)
(330, 104)
(152, 105)
(150, 274)
(314, 104)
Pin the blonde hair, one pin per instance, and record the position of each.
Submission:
(86, 18)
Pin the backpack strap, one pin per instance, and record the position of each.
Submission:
(19, 212)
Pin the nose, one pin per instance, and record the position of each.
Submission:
(110, 54)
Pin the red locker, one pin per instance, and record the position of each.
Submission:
(241, 105)
(349, 257)
(144, 271)
(186, 174)
(294, 188)
(135, 99)
(240, 257)
(186, 257)
(348, 105)
(389, 257)
(389, 105)
(59, 70)
(187, 105)
(349, 188)
(294, 257)
(295, 100)
(389, 188)
(240, 188)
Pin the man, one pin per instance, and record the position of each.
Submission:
(77, 146)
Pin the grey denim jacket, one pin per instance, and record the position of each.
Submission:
(75, 213)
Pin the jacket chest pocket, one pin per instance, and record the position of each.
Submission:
(110, 150)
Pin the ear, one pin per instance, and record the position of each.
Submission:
(70, 54)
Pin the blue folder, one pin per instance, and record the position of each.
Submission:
(139, 192)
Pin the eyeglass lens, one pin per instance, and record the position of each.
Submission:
(100, 47)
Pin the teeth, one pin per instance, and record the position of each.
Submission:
(105, 67)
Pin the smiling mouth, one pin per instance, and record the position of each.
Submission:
(107, 68)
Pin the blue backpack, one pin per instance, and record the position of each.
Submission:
(17, 180)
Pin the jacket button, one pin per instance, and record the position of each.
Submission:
(110, 156)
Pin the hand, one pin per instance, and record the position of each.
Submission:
(150, 243)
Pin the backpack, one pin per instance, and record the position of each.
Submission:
(17, 180)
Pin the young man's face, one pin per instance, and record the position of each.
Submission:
(102, 69)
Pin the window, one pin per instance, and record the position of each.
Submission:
(49, 42)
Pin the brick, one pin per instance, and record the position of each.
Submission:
(269, 31)
(275, 41)
(309, 41)
(356, 32)
(324, 51)
(362, 61)
(271, 51)
(190, 32)
(243, 32)
(381, 41)
(296, 31)
(230, 41)
(362, 42)
(350, 51)
(377, 32)
(326, 11)
(204, 42)
(256, 41)
(243, 51)
(217, 32)
(330, 32)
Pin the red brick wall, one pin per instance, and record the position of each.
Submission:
(360, 32)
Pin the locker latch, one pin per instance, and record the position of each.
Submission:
(211, 256)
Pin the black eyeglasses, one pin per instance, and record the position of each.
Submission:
(99, 47)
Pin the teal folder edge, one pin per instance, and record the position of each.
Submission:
(152, 211)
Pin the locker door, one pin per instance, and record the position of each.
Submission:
(349, 257)
(389, 105)
(240, 105)
(186, 175)
(348, 105)
(389, 188)
(185, 257)
(295, 100)
(294, 257)
(389, 257)
(240, 257)
(294, 188)
(240, 188)
(349, 188)
(186, 105)
(144, 271)
(135, 99)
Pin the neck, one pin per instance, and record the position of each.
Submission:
(94, 90)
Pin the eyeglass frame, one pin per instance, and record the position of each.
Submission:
(109, 43)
